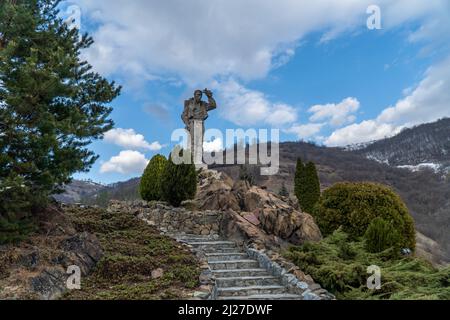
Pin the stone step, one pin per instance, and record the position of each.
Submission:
(213, 246)
(225, 273)
(247, 281)
(281, 296)
(213, 243)
(250, 291)
(222, 256)
(198, 239)
(214, 249)
(234, 264)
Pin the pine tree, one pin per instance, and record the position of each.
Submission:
(52, 105)
(307, 185)
(179, 181)
(151, 181)
(312, 189)
(299, 180)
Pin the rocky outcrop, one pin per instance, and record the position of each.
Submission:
(276, 216)
(214, 192)
(82, 250)
(253, 208)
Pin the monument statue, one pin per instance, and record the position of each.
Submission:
(194, 115)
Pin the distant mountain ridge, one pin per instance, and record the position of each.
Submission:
(427, 145)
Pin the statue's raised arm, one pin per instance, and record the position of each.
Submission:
(211, 105)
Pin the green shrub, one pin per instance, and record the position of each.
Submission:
(299, 187)
(339, 265)
(354, 205)
(179, 181)
(307, 185)
(381, 235)
(150, 185)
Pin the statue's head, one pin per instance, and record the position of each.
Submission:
(198, 94)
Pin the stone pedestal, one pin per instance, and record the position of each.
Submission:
(197, 144)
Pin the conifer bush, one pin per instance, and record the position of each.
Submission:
(381, 235)
(353, 206)
(179, 181)
(312, 193)
(307, 185)
(151, 181)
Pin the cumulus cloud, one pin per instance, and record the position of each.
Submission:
(335, 114)
(127, 162)
(305, 131)
(246, 107)
(128, 138)
(365, 131)
(198, 40)
(428, 102)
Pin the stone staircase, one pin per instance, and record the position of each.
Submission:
(237, 276)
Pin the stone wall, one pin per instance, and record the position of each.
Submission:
(172, 220)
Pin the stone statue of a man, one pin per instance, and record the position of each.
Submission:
(194, 115)
(196, 109)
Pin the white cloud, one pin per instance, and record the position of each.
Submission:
(335, 114)
(428, 102)
(246, 107)
(281, 114)
(128, 138)
(365, 131)
(155, 146)
(197, 40)
(215, 145)
(126, 162)
(305, 131)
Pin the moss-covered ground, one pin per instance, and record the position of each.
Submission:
(132, 250)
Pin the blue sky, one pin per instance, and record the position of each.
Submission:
(313, 70)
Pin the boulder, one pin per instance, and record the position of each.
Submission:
(83, 250)
(276, 216)
(235, 227)
(214, 192)
(257, 206)
(49, 284)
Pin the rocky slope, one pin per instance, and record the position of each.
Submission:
(37, 268)
(119, 256)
